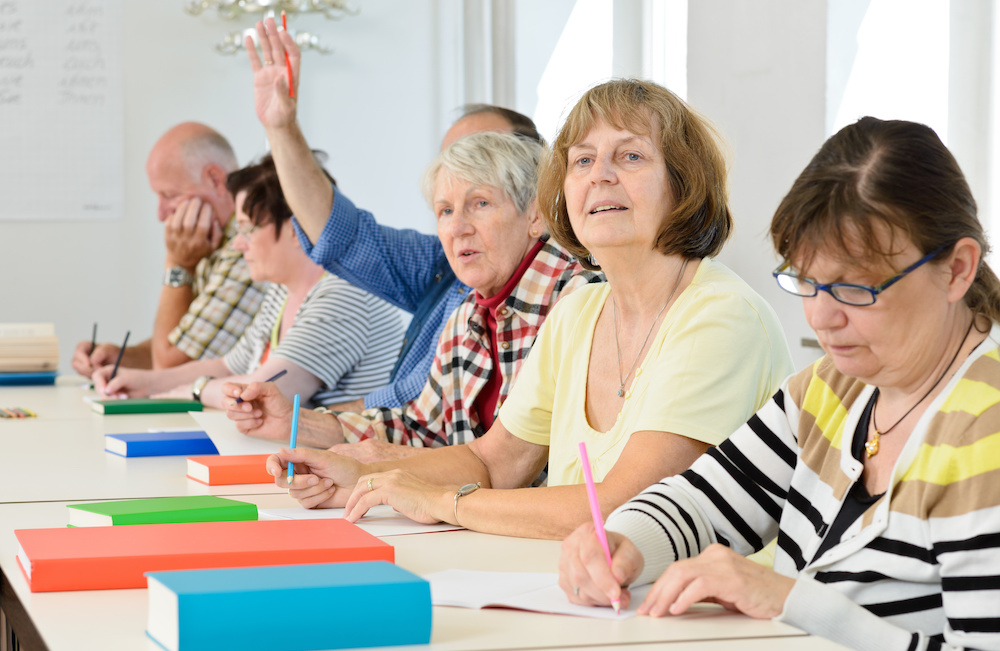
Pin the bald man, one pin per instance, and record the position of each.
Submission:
(207, 298)
(404, 267)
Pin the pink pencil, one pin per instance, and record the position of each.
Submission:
(595, 511)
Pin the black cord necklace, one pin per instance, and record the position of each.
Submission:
(871, 447)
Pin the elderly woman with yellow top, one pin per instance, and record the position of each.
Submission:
(649, 369)
(878, 467)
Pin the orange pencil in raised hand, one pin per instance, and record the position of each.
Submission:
(288, 61)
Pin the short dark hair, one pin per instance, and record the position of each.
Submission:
(884, 173)
(265, 202)
(700, 222)
(521, 124)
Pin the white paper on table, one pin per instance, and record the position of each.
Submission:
(228, 439)
(380, 521)
(537, 591)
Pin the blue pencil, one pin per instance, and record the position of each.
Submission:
(295, 431)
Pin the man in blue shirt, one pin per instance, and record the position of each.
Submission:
(402, 266)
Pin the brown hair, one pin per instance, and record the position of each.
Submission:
(700, 222)
(265, 202)
(875, 174)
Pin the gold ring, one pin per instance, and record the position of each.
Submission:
(268, 63)
(370, 487)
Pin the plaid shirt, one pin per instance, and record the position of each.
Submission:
(225, 303)
(443, 413)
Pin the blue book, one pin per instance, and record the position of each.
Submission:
(159, 444)
(28, 379)
(327, 606)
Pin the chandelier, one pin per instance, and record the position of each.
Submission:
(261, 9)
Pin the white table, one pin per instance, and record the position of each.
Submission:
(60, 401)
(115, 619)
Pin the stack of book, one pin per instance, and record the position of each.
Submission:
(27, 347)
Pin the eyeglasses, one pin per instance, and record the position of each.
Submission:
(246, 230)
(847, 293)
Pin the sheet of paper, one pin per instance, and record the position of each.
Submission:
(523, 590)
(228, 439)
(380, 521)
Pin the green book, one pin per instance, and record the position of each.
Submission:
(187, 508)
(145, 406)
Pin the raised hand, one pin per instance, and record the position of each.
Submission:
(275, 109)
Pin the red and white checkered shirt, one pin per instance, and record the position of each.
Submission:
(444, 413)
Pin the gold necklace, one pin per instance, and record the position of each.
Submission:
(871, 447)
(614, 306)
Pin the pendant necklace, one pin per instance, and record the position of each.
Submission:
(614, 305)
(871, 447)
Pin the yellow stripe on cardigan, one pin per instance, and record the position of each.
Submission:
(993, 353)
(943, 464)
(826, 408)
(971, 397)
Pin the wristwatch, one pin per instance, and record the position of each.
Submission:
(177, 277)
(199, 386)
(462, 492)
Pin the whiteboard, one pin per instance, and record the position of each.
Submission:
(61, 110)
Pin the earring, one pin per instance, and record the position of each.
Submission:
(534, 233)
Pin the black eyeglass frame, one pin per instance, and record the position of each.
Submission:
(832, 288)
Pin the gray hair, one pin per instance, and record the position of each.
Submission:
(208, 147)
(503, 161)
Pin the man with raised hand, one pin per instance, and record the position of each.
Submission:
(402, 266)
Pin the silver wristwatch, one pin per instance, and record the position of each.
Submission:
(199, 386)
(462, 492)
(177, 277)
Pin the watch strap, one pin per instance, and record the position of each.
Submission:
(462, 492)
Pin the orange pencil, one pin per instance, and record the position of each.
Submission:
(288, 61)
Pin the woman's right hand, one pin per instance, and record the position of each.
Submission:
(264, 413)
(275, 109)
(584, 574)
(323, 480)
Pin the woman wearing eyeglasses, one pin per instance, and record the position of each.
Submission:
(878, 468)
(333, 341)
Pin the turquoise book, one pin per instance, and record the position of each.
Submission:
(157, 510)
(324, 606)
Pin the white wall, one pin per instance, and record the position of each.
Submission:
(756, 68)
(367, 105)
(379, 104)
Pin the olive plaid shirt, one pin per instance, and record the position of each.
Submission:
(444, 413)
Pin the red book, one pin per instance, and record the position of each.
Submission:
(104, 558)
(216, 470)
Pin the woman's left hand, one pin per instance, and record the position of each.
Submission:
(413, 497)
(718, 575)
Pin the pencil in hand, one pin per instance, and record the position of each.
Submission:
(270, 379)
(288, 61)
(294, 435)
(121, 351)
